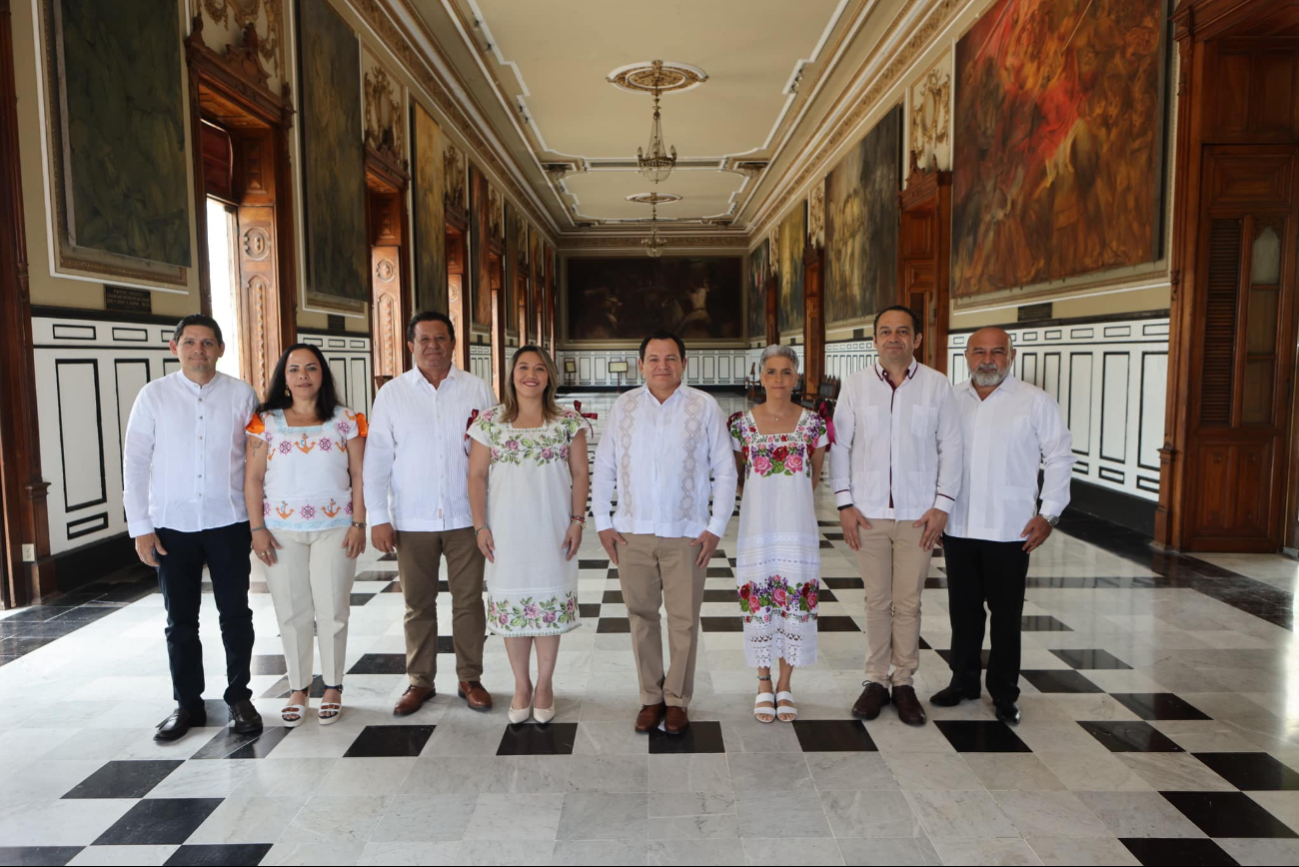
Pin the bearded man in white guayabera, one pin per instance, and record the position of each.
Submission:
(1010, 428)
(667, 452)
(528, 479)
(779, 447)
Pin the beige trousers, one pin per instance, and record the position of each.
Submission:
(893, 569)
(654, 571)
(311, 587)
(418, 559)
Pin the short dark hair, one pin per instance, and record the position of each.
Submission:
(915, 320)
(277, 393)
(198, 319)
(662, 335)
(429, 316)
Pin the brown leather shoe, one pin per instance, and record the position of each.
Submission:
(475, 695)
(872, 698)
(677, 721)
(412, 700)
(909, 708)
(650, 716)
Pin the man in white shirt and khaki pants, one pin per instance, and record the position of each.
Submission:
(1010, 428)
(896, 469)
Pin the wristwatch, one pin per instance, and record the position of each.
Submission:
(360, 525)
(1051, 519)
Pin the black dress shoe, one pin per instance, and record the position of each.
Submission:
(951, 696)
(246, 718)
(909, 709)
(1007, 711)
(872, 698)
(180, 721)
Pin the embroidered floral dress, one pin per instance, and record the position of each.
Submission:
(778, 559)
(308, 486)
(531, 588)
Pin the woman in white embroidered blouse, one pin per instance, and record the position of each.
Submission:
(303, 477)
(779, 448)
(528, 480)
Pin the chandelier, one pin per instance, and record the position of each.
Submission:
(654, 244)
(656, 163)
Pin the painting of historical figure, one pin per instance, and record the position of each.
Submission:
(1057, 143)
(428, 223)
(758, 270)
(791, 243)
(333, 160)
(696, 297)
(122, 119)
(861, 225)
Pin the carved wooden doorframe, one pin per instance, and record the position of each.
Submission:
(388, 229)
(924, 254)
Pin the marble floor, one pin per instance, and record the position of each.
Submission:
(1161, 726)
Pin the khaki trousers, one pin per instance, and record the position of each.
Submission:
(654, 571)
(418, 556)
(311, 587)
(893, 569)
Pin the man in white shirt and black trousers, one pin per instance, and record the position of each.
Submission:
(1010, 428)
(183, 472)
(896, 468)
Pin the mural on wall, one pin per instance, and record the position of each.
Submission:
(695, 297)
(333, 158)
(480, 230)
(861, 226)
(120, 120)
(787, 261)
(428, 223)
(758, 271)
(1057, 141)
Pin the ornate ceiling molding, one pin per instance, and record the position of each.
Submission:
(655, 198)
(657, 75)
(737, 241)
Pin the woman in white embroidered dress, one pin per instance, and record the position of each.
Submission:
(779, 449)
(528, 480)
(303, 476)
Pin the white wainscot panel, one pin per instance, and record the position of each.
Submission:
(350, 362)
(596, 367)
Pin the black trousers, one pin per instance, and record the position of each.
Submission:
(981, 572)
(180, 576)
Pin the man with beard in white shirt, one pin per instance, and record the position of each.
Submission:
(1010, 428)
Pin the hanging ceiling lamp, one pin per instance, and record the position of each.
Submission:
(657, 162)
(654, 244)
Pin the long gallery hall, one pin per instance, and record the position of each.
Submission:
(733, 432)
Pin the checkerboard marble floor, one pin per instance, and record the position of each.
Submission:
(1161, 726)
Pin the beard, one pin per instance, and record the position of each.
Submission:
(988, 376)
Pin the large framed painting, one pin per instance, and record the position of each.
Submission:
(1058, 140)
(428, 223)
(117, 129)
(791, 244)
(333, 159)
(758, 270)
(626, 298)
(861, 225)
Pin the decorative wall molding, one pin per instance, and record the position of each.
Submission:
(721, 367)
(385, 117)
(480, 361)
(738, 240)
(930, 106)
(227, 18)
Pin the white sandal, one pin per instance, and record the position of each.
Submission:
(788, 709)
(300, 710)
(760, 710)
(333, 708)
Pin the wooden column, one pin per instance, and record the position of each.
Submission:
(924, 255)
(459, 296)
(22, 489)
(773, 309)
(813, 322)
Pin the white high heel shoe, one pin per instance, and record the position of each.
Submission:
(519, 714)
(543, 715)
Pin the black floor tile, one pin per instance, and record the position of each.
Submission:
(1128, 736)
(446, 644)
(613, 624)
(934, 582)
(1228, 814)
(827, 595)
(825, 544)
(38, 856)
(981, 736)
(269, 663)
(229, 744)
(384, 575)
(1158, 705)
(836, 623)
(843, 583)
(1185, 852)
(827, 523)
(984, 655)
(719, 554)
(592, 564)
(833, 537)
(218, 712)
(722, 624)
(719, 572)
(159, 822)
(1091, 658)
(389, 558)
(733, 561)
(1059, 680)
(356, 600)
(1042, 623)
(701, 737)
(612, 596)
(235, 855)
(833, 736)
(388, 741)
(725, 596)
(379, 663)
(589, 609)
(552, 739)
(924, 645)
(394, 587)
(133, 779)
(1251, 772)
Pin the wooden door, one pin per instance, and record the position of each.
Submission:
(387, 328)
(813, 324)
(457, 298)
(923, 253)
(1238, 450)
